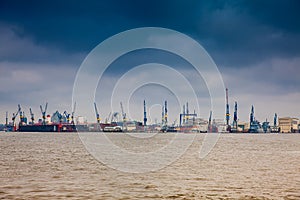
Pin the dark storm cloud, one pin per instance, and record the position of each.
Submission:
(236, 33)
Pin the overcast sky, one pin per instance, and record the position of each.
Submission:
(255, 44)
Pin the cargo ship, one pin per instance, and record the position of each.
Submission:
(54, 127)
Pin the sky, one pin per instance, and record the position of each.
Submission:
(255, 45)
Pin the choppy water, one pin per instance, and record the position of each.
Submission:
(241, 166)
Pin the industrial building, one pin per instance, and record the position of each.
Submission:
(288, 125)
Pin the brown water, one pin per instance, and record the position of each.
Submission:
(241, 166)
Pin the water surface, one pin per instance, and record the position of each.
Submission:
(241, 166)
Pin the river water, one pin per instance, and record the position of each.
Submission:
(240, 166)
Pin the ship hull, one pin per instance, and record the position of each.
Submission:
(48, 128)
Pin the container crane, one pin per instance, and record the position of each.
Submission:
(97, 114)
(31, 116)
(43, 111)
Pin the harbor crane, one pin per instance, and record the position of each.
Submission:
(67, 115)
(227, 109)
(184, 117)
(124, 117)
(235, 118)
(162, 115)
(73, 113)
(6, 119)
(145, 114)
(43, 111)
(16, 114)
(123, 113)
(209, 122)
(183, 108)
(97, 114)
(166, 114)
(21, 114)
(31, 116)
(114, 117)
(275, 120)
(252, 115)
